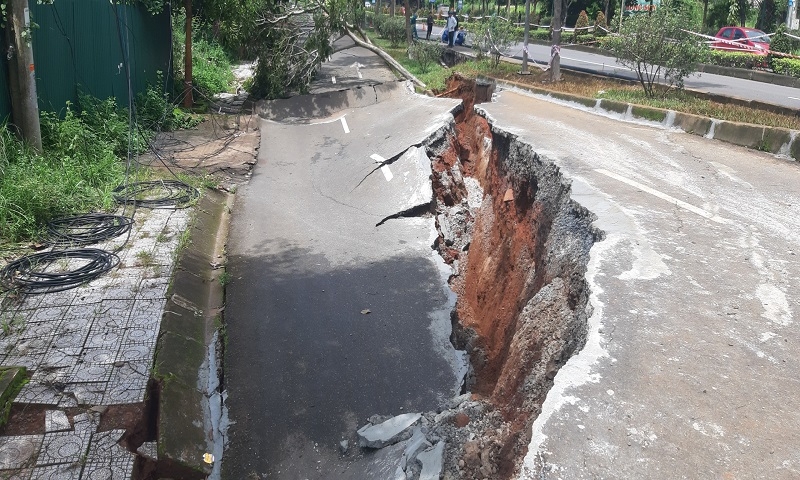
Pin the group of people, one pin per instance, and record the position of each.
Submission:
(452, 34)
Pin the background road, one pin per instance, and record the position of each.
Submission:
(705, 82)
(690, 366)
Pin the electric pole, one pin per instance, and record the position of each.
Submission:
(555, 50)
(22, 75)
(188, 100)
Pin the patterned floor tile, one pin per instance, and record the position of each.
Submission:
(38, 394)
(63, 448)
(19, 451)
(86, 393)
(57, 472)
(56, 421)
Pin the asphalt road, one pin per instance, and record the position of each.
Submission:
(690, 369)
(331, 319)
(705, 82)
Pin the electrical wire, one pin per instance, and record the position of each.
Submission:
(45, 273)
(81, 230)
(156, 194)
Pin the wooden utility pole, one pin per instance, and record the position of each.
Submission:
(188, 100)
(22, 75)
(555, 50)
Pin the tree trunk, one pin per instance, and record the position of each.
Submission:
(22, 76)
(526, 37)
(188, 100)
(386, 58)
(408, 22)
(705, 13)
(555, 57)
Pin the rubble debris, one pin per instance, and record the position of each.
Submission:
(432, 461)
(386, 433)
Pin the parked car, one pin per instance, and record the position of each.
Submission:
(742, 39)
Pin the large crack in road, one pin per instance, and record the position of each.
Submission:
(337, 318)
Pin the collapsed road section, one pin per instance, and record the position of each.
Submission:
(336, 312)
(518, 247)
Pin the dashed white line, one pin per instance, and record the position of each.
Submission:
(663, 196)
(794, 98)
(344, 125)
(333, 79)
(387, 173)
(377, 158)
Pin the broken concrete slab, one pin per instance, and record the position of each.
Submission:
(386, 433)
(432, 461)
(417, 443)
(56, 421)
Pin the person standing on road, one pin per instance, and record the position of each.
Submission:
(430, 25)
(451, 28)
(414, 25)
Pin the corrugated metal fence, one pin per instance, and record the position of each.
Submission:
(84, 45)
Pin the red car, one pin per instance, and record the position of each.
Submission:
(742, 39)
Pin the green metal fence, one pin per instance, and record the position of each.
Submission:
(94, 47)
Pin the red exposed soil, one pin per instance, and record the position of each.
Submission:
(501, 268)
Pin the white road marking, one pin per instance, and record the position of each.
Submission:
(377, 158)
(794, 98)
(344, 125)
(333, 79)
(663, 196)
(387, 173)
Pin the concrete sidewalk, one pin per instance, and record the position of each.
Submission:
(90, 350)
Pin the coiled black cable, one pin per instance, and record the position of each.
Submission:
(87, 229)
(41, 273)
(156, 194)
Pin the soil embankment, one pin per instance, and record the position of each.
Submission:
(519, 247)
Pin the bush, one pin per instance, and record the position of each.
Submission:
(655, 45)
(494, 37)
(155, 112)
(393, 29)
(581, 25)
(426, 54)
(211, 68)
(75, 174)
(786, 66)
(543, 35)
(724, 58)
(599, 24)
(587, 38)
(782, 43)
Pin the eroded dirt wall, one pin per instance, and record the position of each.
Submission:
(519, 246)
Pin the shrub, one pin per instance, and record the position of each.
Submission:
(733, 59)
(781, 43)
(786, 66)
(426, 54)
(599, 24)
(543, 34)
(393, 29)
(495, 36)
(655, 45)
(586, 38)
(581, 25)
(155, 112)
(211, 68)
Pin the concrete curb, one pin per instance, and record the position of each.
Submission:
(191, 317)
(767, 139)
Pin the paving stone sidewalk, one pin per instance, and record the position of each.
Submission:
(86, 349)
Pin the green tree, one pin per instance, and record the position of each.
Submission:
(600, 24)
(655, 46)
(581, 25)
(494, 38)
